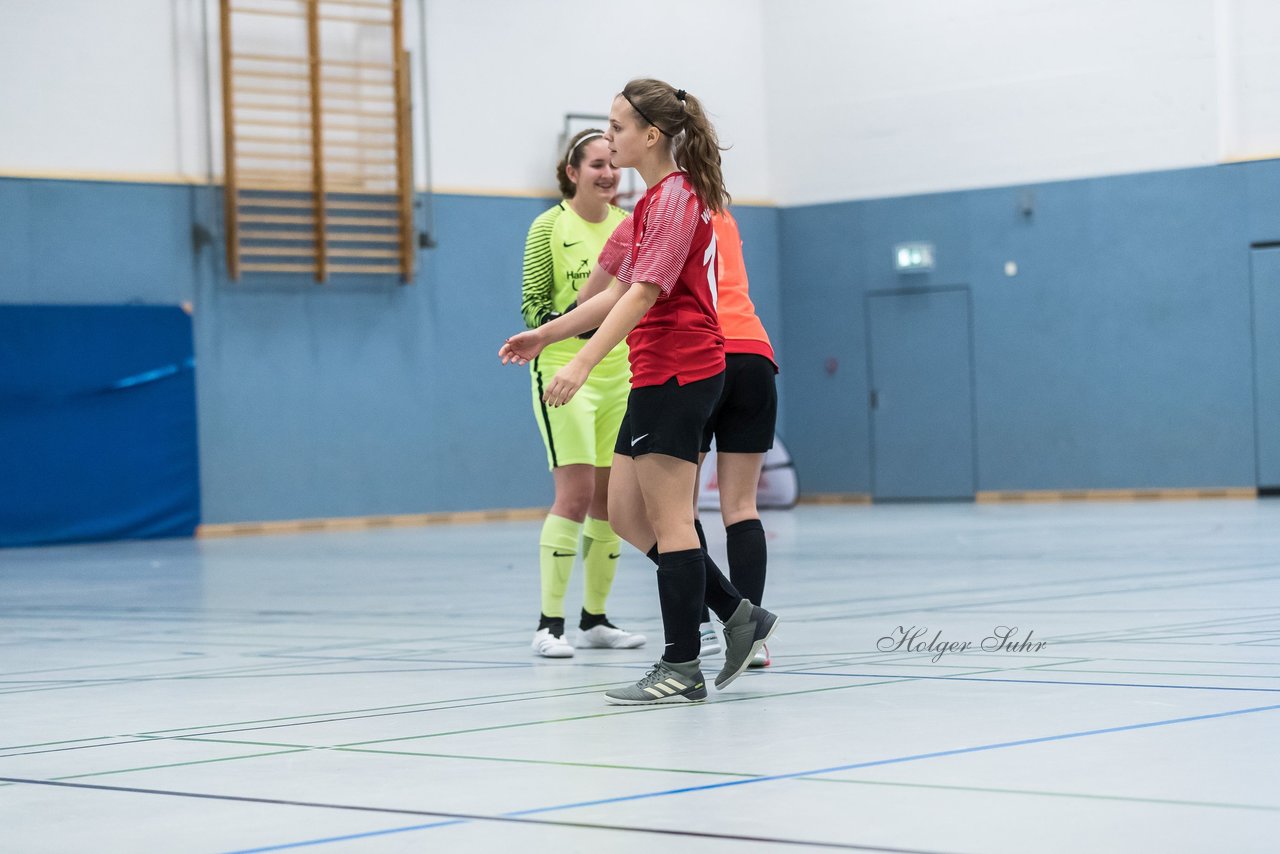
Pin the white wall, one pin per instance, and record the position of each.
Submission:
(117, 89)
(822, 100)
(505, 72)
(892, 97)
(1249, 73)
(87, 86)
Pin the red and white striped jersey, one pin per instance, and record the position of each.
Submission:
(669, 242)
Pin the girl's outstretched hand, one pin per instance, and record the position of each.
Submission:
(565, 384)
(521, 348)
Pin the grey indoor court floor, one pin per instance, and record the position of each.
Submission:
(375, 692)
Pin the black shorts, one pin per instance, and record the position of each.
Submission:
(746, 415)
(668, 418)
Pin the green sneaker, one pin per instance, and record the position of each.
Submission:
(664, 683)
(744, 634)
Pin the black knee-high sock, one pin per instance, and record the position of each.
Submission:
(747, 558)
(719, 593)
(702, 538)
(680, 581)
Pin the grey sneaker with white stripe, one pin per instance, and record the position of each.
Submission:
(664, 683)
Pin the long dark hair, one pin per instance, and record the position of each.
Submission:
(680, 117)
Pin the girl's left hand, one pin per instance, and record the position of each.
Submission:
(521, 348)
(565, 384)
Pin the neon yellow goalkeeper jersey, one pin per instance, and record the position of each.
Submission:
(559, 253)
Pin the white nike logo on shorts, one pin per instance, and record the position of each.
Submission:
(637, 439)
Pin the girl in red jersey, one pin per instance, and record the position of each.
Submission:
(663, 302)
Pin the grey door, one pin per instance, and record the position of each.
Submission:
(1266, 364)
(920, 359)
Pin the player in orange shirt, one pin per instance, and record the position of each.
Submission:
(743, 424)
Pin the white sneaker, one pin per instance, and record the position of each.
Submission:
(548, 645)
(761, 658)
(608, 636)
(710, 642)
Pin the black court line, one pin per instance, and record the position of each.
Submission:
(37, 686)
(463, 817)
(1081, 594)
(910, 600)
(800, 669)
(339, 717)
(1074, 683)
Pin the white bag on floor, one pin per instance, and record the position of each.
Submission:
(778, 489)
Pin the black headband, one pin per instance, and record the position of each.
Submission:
(646, 118)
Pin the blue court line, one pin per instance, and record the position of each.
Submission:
(797, 774)
(899, 759)
(287, 845)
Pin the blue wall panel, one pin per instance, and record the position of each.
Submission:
(95, 242)
(1266, 319)
(374, 398)
(1118, 357)
(357, 397)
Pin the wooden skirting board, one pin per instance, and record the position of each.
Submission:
(526, 514)
(834, 498)
(365, 523)
(1045, 495)
(1050, 495)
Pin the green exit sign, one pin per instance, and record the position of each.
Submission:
(913, 257)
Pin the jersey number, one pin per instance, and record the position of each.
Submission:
(709, 261)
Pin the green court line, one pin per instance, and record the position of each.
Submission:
(553, 763)
(165, 734)
(302, 720)
(1180, 661)
(437, 705)
(496, 727)
(627, 711)
(34, 686)
(987, 790)
(360, 747)
(1162, 673)
(7, 676)
(909, 599)
(357, 745)
(1268, 608)
(455, 702)
(979, 606)
(613, 713)
(57, 743)
(199, 740)
(172, 765)
(140, 738)
(1218, 622)
(186, 764)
